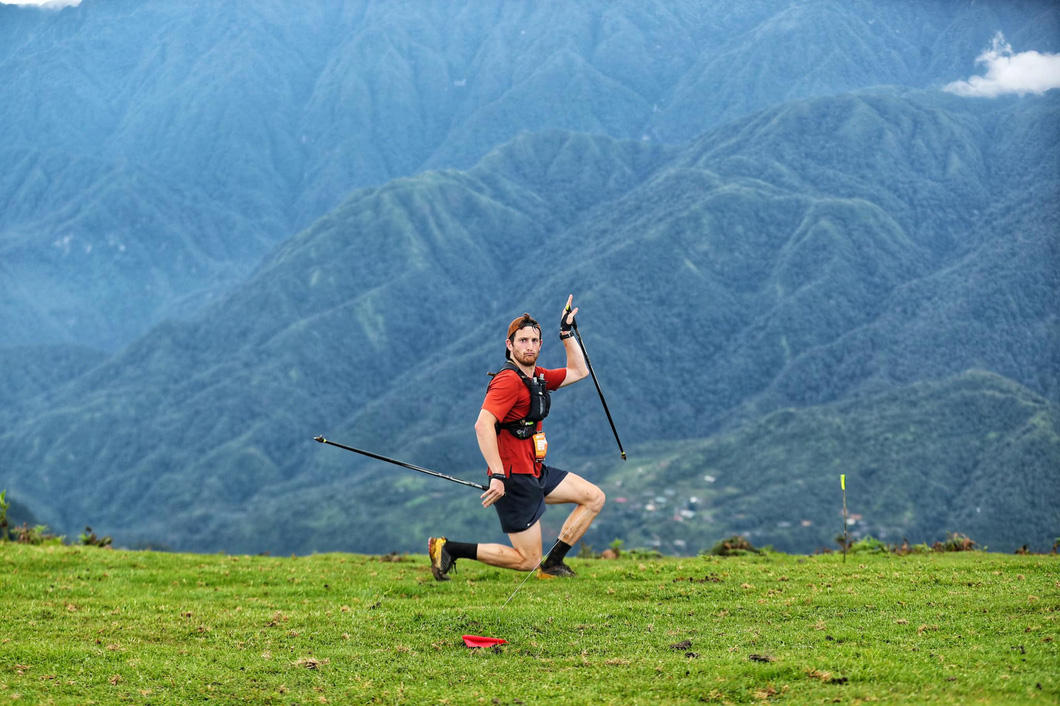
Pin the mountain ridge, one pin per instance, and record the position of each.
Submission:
(236, 395)
(775, 479)
(273, 116)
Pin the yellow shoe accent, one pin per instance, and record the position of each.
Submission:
(440, 559)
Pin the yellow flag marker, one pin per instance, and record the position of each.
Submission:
(846, 521)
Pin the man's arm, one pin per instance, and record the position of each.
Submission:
(486, 433)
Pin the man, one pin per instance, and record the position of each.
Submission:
(510, 438)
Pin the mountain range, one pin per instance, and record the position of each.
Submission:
(153, 154)
(794, 256)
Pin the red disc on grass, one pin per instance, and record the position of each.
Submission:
(479, 641)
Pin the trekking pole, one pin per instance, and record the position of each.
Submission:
(588, 364)
(401, 463)
(531, 572)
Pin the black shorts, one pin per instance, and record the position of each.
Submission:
(523, 503)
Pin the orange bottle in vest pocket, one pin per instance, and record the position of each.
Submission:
(540, 446)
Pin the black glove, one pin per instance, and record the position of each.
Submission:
(565, 327)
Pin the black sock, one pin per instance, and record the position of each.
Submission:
(462, 550)
(556, 555)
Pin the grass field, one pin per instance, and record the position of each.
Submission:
(84, 625)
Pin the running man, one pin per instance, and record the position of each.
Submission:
(510, 437)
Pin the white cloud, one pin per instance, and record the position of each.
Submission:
(46, 4)
(1007, 72)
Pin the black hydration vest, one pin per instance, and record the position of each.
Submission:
(540, 401)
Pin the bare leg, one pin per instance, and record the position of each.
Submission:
(589, 501)
(523, 555)
(525, 552)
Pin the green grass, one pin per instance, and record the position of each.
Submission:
(83, 625)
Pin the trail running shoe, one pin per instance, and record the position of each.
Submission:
(559, 570)
(441, 562)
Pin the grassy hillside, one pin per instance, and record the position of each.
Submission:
(110, 626)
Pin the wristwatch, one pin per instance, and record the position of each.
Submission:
(564, 335)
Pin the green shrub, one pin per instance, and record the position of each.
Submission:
(4, 504)
(645, 553)
(869, 545)
(955, 542)
(38, 535)
(89, 539)
(906, 548)
(735, 545)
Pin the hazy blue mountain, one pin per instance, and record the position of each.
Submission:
(818, 255)
(978, 217)
(30, 371)
(127, 247)
(974, 453)
(193, 133)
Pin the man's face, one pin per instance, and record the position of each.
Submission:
(525, 345)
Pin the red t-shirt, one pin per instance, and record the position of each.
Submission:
(508, 399)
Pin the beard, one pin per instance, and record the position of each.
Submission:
(526, 357)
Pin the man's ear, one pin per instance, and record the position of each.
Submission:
(508, 343)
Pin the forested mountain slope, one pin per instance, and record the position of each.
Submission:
(717, 283)
(154, 151)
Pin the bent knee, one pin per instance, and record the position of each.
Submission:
(528, 562)
(596, 500)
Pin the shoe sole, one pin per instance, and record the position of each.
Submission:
(545, 575)
(438, 575)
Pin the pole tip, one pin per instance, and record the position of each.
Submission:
(319, 438)
(623, 455)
